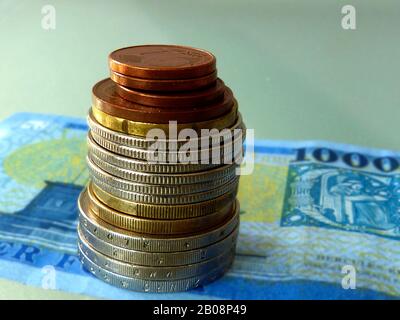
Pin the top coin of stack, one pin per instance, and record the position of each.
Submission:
(169, 225)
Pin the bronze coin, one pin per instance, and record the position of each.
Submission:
(164, 85)
(106, 99)
(185, 99)
(162, 62)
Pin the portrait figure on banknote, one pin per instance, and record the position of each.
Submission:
(342, 198)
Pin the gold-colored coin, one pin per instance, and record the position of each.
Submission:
(142, 128)
(141, 142)
(152, 243)
(153, 226)
(162, 212)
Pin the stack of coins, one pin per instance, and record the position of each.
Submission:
(169, 224)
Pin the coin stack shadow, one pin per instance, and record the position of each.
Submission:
(160, 226)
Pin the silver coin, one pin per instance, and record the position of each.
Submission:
(154, 243)
(158, 186)
(161, 259)
(221, 154)
(143, 143)
(122, 168)
(152, 285)
(229, 187)
(153, 273)
(140, 166)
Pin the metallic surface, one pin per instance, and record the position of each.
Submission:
(232, 186)
(216, 176)
(142, 128)
(141, 142)
(153, 273)
(219, 154)
(142, 166)
(106, 99)
(184, 99)
(162, 62)
(164, 85)
(156, 211)
(161, 259)
(152, 285)
(154, 188)
(152, 243)
(160, 227)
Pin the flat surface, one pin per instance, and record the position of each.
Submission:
(294, 70)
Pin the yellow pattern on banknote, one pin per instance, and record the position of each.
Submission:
(261, 194)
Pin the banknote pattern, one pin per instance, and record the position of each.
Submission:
(308, 210)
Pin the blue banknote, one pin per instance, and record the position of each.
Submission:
(319, 220)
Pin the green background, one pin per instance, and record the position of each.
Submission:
(296, 73)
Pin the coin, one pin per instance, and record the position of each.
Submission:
(160, 213)
(212, 139)
(165, 199)
(210, 179)
(152, 285)
(153, 259)
(152, 243)
(106, 98)
(162, 62)
(161, 189)
(142, 166)
(185, 99)
(215, 177)
(153, 273)
(170, 85)
(157, 211)
(220, 154)
(153, 226)
(142, 128)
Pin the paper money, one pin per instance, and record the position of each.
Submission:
(318, 220)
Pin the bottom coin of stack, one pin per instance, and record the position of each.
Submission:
(152, 263)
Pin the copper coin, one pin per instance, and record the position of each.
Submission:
(186, 99)
(162, 62)
(164, 85)
(106, 99)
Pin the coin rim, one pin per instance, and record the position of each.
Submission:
(190, 71)
(153, 243)
(142, 128)
(198, 98)
(152, 273)
(164, 85)
(181, 227)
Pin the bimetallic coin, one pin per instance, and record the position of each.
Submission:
(152, 243)
(164, 85)
(142, 128)
(158, 184)
(154, 226)
(161, 259)
(185, 99)
(151, 285)
(221, 154)
(165, 199)
(106, 97)
(162, 212)
(162, 62)
(153, 273)
(211, 139)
